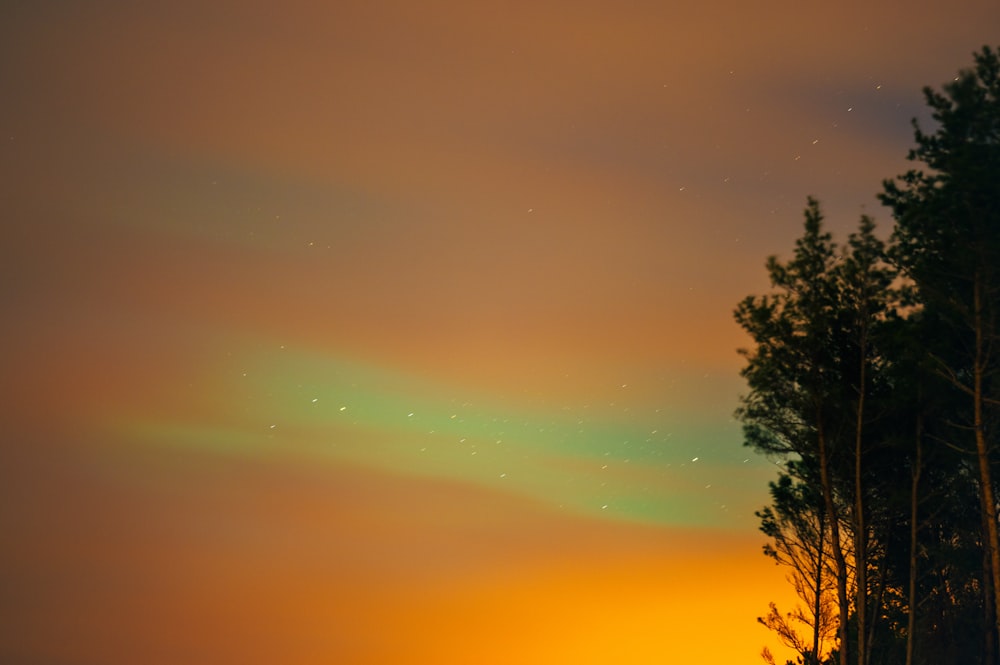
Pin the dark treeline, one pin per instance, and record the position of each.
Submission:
(874, 380)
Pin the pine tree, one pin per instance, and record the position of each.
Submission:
(948, 242)
(795, 371)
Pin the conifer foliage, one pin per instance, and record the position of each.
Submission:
(873, 377)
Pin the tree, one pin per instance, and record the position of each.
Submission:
(795, 372)
(865, 281)
(812, 375)
(797, 525)
(873, 379)
(948, 243)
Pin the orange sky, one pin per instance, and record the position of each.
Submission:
(157, 559)
(368, 332)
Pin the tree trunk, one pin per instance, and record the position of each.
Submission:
(911, 619)
(989, 611)
(860, 533)
(818, 600)
(838, 552)
(982, 454)
(877, 599)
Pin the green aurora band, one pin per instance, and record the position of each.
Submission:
(606, 460)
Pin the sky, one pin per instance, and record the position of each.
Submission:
(373, 332)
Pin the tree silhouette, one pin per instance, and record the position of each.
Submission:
(874, 379)
(795, 374)
(948, 242)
